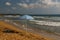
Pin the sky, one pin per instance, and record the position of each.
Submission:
(30, 6)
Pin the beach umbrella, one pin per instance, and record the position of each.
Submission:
(26, 17)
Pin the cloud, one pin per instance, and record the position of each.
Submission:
(8, 3)
(51, 2)
(27, 0)
(40, 3)
(14, 8)
(23, 5)
(31, 5)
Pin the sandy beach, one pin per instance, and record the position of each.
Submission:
(17, 34)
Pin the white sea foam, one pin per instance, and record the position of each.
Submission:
(49, 23)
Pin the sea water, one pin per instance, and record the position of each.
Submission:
(51, 24)
(46, 23)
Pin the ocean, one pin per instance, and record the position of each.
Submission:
(46, 23)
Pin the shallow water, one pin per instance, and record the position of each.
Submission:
(46, 23)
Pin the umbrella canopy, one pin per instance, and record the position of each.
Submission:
(27, 17)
